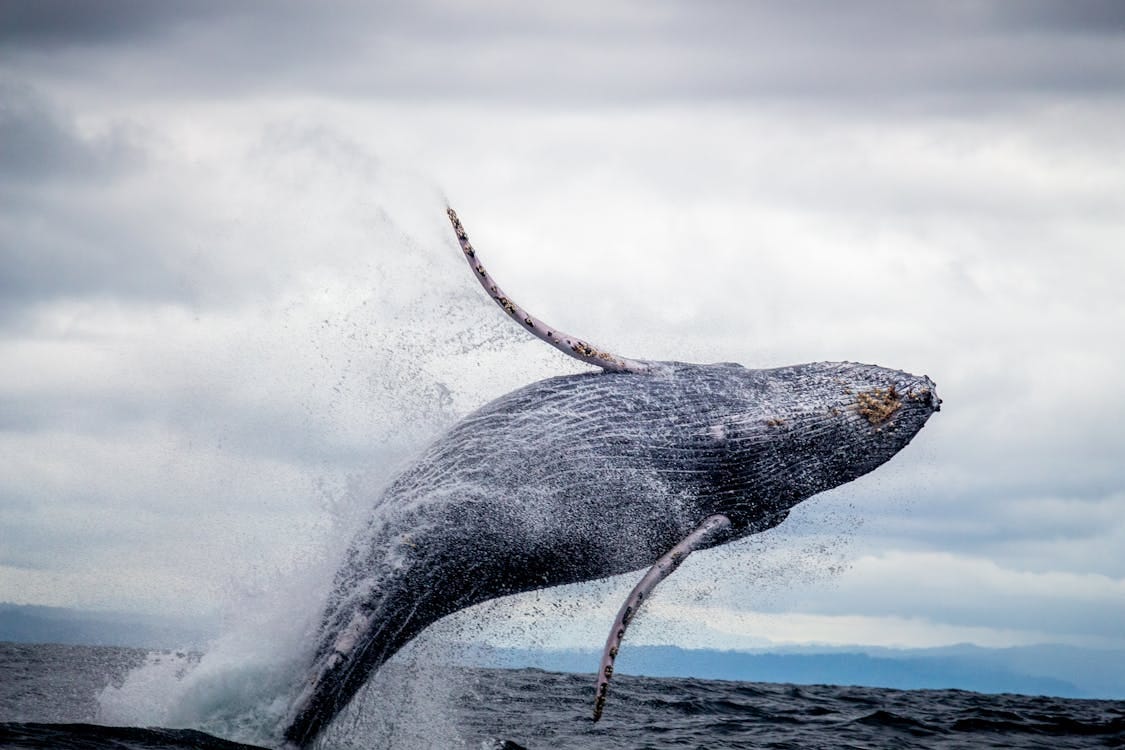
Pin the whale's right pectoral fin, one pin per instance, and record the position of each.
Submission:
(564, 342)
(713, 527)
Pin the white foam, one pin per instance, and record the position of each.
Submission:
(241, 686)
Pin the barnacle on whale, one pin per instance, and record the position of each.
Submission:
(878, 404)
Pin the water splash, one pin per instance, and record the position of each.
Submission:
(360, 355)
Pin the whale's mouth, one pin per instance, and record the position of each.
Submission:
(926, 392)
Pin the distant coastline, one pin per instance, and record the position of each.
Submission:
(1052, 670)
(1062, 671)
(23, 623)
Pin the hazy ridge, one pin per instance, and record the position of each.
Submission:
(1052, 670)
(1055, 670)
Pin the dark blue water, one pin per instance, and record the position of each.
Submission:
(48, 698)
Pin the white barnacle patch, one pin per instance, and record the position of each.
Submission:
(584, 350)
(718, 432)
(878, 404)
(919, 395)
(402, 553)
(347, 639)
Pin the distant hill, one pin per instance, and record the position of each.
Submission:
(1037, 670)
(21, 623)
(1063, 671)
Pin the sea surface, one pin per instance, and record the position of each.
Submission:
(50, 698)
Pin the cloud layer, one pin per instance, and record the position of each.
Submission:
(229, 304)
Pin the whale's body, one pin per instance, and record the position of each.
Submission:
(581, 477)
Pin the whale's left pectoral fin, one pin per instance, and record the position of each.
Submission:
(564, 342)
(713, 527)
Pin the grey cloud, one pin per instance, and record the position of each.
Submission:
(616, 52)
(51, 251)
(55, 23)
(1031, 532)
(209, 226)
(1100, 17)
(38, 142)
(66, 411)
(966, 601)
(55, 237)
(97, 534)
(93, 217)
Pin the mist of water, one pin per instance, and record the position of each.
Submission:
(372, 357)
(375, 357)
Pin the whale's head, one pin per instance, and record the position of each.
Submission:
(782, 435)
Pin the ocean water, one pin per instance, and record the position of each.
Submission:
(50, 697)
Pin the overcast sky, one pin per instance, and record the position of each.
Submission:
(230, 302)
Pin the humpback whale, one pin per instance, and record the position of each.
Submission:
(580, 477)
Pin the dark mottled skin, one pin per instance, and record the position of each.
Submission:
(586, 476)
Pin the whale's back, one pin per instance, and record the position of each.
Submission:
(585, 476)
